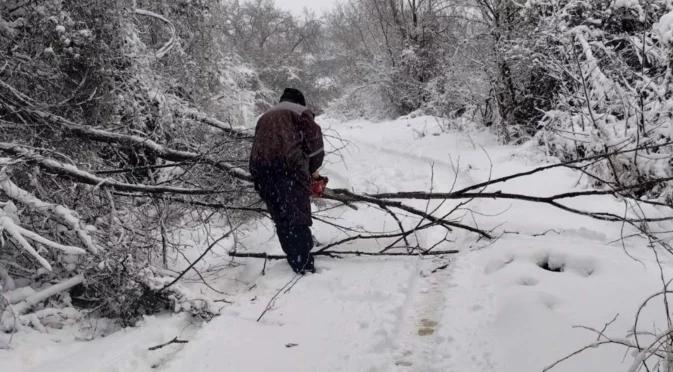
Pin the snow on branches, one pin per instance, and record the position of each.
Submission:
(10, 225)
(612, 74)
(20, 300)
(64, 214)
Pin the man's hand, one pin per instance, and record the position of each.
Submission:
(318, 185)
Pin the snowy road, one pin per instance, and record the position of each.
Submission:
(356, 314)
(503, 306)
(493, 308)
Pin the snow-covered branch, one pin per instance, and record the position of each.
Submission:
(171, 42)
(215, 123)
(63, 214)
(8, 320)
(72, 172)
(159, 150)
(19, 235)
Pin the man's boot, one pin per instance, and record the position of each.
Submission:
(296, 262)
(302, 264)
(310, 265)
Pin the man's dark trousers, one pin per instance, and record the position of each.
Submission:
(290, 210)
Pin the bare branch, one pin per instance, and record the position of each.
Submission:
(336, 254)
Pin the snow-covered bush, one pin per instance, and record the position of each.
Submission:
(83, 87)
(607, 87)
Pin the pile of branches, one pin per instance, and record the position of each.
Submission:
(96, 140)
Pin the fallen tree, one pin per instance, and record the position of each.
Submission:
(386, 202)
(69, 128)
(196, 158)
(339, 254)
(173, 192)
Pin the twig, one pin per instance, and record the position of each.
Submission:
(200, 258)
(546, 232)
(443, 267)
(591, 346)
(267, 256)
(268, 305)
(399, 223)
(173, 341)
(349, 196)
(551, 200)
(553, 166)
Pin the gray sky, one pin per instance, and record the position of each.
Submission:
(296, 6)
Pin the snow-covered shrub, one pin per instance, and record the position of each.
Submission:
(125, 288)
(360, 102)
(608, 75)
(377, 94)
(136, 69)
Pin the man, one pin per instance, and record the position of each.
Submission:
(286, 155)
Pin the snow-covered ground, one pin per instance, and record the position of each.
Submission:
(501, 305)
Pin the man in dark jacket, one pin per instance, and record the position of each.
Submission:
(286, 155)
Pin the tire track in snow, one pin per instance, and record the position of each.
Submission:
(467, 333)
(443, 325)
(414, 345)
(418, 339)
(449, 324)
(371, 168)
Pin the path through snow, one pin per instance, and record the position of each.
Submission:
(495, 307)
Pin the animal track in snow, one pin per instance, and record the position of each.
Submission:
(551, 261)
(528, 281)
(561, 262)
(497, 264)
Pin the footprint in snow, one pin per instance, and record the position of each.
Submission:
(528, 281)
(427, 327)
(559, 263)
(476, 308)
(555, 262)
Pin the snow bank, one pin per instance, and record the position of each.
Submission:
(67, 350)
(665, 28)
(548, 286)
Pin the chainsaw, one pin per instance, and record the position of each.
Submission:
(319, 191)
(318, 186)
